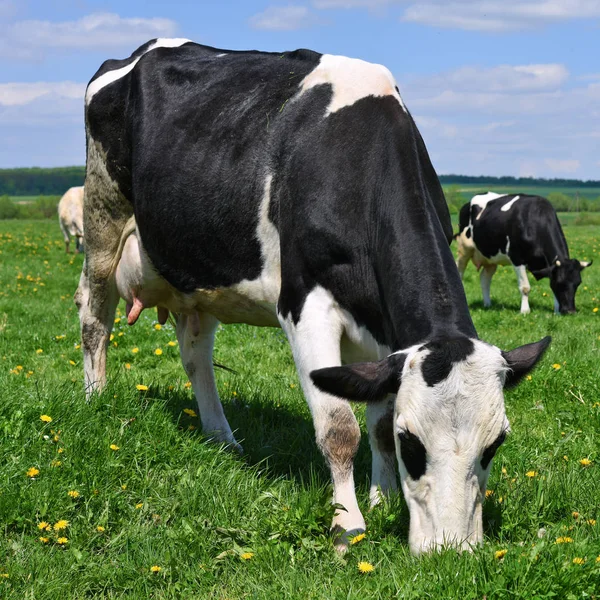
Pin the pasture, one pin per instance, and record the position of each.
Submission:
(122, 497)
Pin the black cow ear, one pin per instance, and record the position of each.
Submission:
(546, 272)
(521, 360)
(364, 382)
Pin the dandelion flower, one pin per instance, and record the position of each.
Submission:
(365, 567)
(190, 412)
(357, 538)
(595, 309)
(585, 462)
(187, 384)
(489, 493)
(564, 540)
(504, 471)
(500, 553)
(141, 387)
(575, 514)
(60, 450)
(60, 525)
(124, 486)
(39, 351)
(72, 363)
(114, 447)
(100, 529)
(158, 326)
(158, 352)
(591, 522)
(530, 474)
(117, 320)
(155, 569)
(556, 366)
(578, 561)
(598, 559)
(62, 540)
(73, 494)
(32, 472)
(44, 526)
(128, 366)
(46, 418)
(112, 337)
(44, 540)
(246, 555)
(565, 457)
(171, 343)
(56, 463)
(139, 505)
(135, 350)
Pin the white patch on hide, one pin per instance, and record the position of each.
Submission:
(482, 200)
(508, 205)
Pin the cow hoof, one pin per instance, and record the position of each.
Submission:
(526, 311)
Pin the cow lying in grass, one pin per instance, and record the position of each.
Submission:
(522, 231)
(293, 190)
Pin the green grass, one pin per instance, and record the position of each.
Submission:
(468, 190)
(167, 497)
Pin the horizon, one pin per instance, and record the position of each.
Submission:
(495, 88)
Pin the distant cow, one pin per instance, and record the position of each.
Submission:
(293, 190)
(70, 217)
(522, 231)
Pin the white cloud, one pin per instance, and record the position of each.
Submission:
(563, 165)
(371, 4)
(284, 18)
(19, 94)
(33, 40)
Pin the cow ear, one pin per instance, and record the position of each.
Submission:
(521, 360)
(584, 264)
(543, 272)
(364, 382)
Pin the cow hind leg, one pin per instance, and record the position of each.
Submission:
(485, 279)
(195, 334)
(524, 288)
(380, 424)
(315, 342)
(464, 256)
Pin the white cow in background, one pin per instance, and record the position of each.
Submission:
(70, 217)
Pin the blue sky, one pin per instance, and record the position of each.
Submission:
(497, 87)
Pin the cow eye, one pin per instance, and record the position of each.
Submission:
(413, 453)
(490, 451)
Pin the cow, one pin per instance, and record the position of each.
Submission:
(293, 190)
(70, 217)
(521, 230)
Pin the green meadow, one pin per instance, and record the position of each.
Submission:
(123, 497)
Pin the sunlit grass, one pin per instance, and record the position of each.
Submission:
(160, 512)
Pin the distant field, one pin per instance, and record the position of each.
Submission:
(467, 191)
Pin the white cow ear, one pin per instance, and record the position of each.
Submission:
(585, 263)
(364, 382)
(521, 360)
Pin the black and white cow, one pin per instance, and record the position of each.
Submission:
(523, 231)
(293, 190)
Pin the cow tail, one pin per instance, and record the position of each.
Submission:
(129, 228)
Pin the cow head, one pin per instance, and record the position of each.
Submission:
(448, 422)
(565, 278)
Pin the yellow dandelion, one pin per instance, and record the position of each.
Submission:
(155, 569)
(72, 363)
(117, 320)
(564, 540)
(504, 471)
(578, 561)
(565, 457)
(158, 326)
(556, 366)
(124, 486)
(46, 418)
(114, 447)
(73, 494)
(128, 366)
(135, 350)
(246, 555)
(190, 412)
(60, 450)
(529, 377)
(62, 540)
(60, 337)
(500, 499)
(575, 514)
(171, 343)
(100, 529)
(60, 525)
(598, 559)
(44, 526)
(158, 352)
(39, 351)
(591, 522)
(500, 553)
(365, 567)
(187, 384)
(141, 387)
(32, 472)
(595, 309)
(56, 463)
(531, 474)
(112, 337)
(585, 462)
(139, 505)
(357, 538)
(44, 540)
(77, 346)
(489, 493)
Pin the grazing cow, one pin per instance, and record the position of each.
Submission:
(522, 231)
(293, 190)
(70, 217)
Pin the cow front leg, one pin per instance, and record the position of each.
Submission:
(485, 279)
(524, 288)
(196, 334)
(315, 342)
(380, 424)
